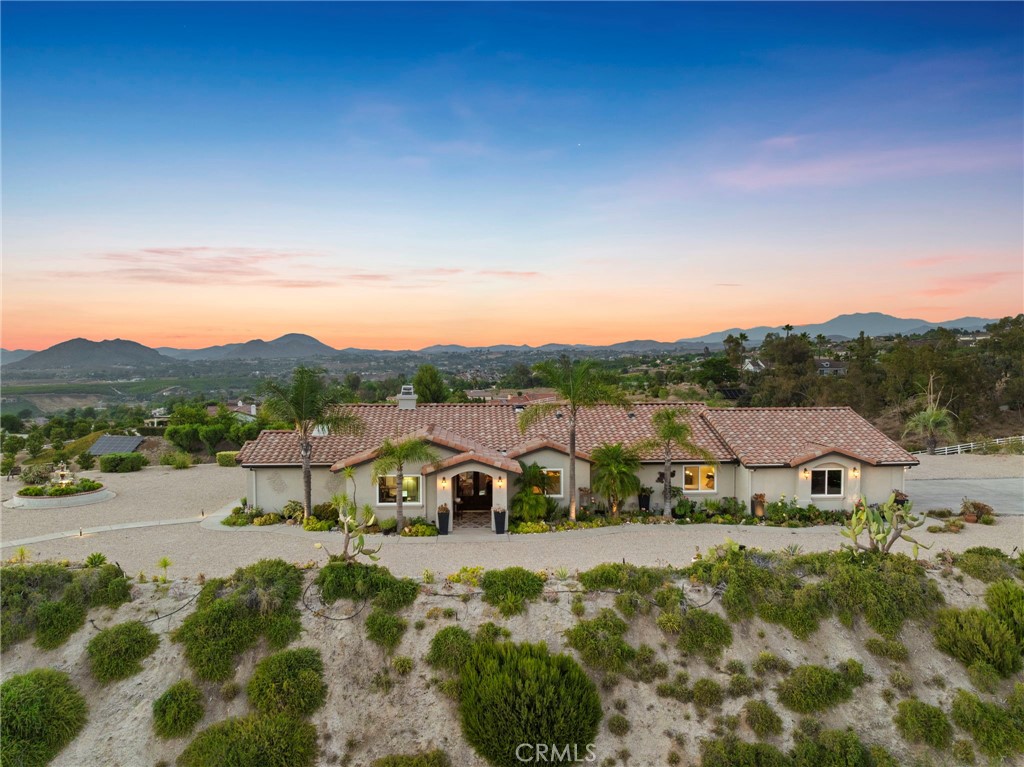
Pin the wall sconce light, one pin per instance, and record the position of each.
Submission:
(855, 472)
(806, 473)
(499, 483)
(444, 483)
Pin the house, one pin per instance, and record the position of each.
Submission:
(241, 411)
(826, 455)
(827, 367)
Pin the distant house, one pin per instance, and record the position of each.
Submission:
(754, 365)
(826, 455)
(826, 367)
(241, 411)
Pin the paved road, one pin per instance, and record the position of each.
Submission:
(1006, 496)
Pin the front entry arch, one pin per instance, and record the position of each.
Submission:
(473, 494)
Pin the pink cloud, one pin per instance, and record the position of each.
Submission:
(858, 167)
(956, 285)
(929, 261)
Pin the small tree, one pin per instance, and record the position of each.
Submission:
(672, 432)
(34, 443)
(164, 564)
(614, 473)
(354, 524)
(884, 525)
(429, 385)
(391, 459)
(933, 422)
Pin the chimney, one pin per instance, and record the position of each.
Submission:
(252, 409)
(407, 398)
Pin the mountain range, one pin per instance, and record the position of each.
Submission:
(82, 354)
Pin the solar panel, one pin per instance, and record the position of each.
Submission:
(110, 443)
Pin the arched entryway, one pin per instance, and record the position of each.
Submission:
(473, 495)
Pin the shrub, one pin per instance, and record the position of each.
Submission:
(231, 614)
(227, 458)
(920, 723)
(450, 648)
(901, 681)
(354, 580)
(56, 621)
(122, 462)
(289, 682)
(511, 588)
(491, 632)
(403, 665)
(266, 519)
(740, 685)
(974, 634)
(178, 711)
(614, 576)
(814, 688)
(600, 644)
(887, 648)
(704, 633)
(762, 719)
(314, 525)
(983, 676)
(618, 726)
(963, 752)
(237, 520)
(388, 526)
(177, 460)
(42, 713)
(32, 491)
(385, 629)
(996, 731)
(427, 759)
(1005, 600)
(513, 694)
(986, 564)
(770, 663)
(117, 652)
(730, 751)
(420, 530)
(707, 693)
(85, 461)
(253, 741)
(838, 748)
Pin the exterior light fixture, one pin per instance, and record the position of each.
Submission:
(499, 483)
(855, 472)
(806, 473)
(444, 483)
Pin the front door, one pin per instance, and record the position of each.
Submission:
(474, 496)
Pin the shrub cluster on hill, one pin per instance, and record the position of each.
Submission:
(816, 688)
(40, 713)
(993, 637)
(355, 580)
(178, 710)
(253, 741)
(510, 589)
(289, 682)
(117, 652)
(115, 463)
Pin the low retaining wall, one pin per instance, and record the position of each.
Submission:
(59, 501)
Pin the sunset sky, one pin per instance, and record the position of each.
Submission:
(393, 175)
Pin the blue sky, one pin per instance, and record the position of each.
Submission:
(402, 174)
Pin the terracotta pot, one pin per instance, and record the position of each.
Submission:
(972, 518)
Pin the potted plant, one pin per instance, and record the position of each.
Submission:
(643, 497)
(444, 515)
(900, 498)
(969, 511)
(500, 516)
(757, 504)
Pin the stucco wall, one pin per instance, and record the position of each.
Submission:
(874, 483)
(272, 487)
(552, 459)
(725, 483)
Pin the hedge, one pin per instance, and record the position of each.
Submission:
(227, 458)
(122, 462)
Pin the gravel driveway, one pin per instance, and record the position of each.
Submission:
(943, 481)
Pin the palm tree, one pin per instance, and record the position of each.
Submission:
(391, 459)
(529, 503)
(580, 384)
(671, 432)
(311, 405)
(614, 472)
(788, 328)
(930, 424)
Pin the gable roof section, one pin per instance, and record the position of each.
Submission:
(434, 434)
(541, 443)
(789, 436)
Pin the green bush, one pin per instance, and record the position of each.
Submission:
(618, 726)
(887, 648)
(703, 633)
(986, 564)
(266, 519)
(420, 530)
(814, 688)
(32, 491)
(513, 694)
(353, 580)
(85, 461)
(963, 752)
(975, 634)
(770, 663)
(290, 682)
(838, 748)
(314, 525)
(1005, 600)
(117, 652)
(511, 588)
(56, 621)
(238, 520)
(385, 629)
(227, 458)
(178, 711)
(998, 732)
(450, 648)
(427, 759)
(122, 462)
(730, 751)
(740, 686)
(40, 713)
(600, 644)
(983, 676)
(920, 723)
(232, 614)
(762, 719)
(707, 693)
(614, 576)
(253, 741)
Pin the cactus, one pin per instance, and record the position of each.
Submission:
(354, 523)
(884, 525)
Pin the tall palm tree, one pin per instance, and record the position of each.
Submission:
(670, 431)
(580, 384)
(788, 328)
(391, 459)
(614, 472)
(930, 424)
(311, 404)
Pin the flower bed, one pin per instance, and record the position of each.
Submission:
(57, 491)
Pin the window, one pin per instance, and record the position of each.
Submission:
(827, 482)
(387, 489)
(699, 479)
(554, 482)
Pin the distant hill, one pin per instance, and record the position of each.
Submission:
(81, 354)
(290, 346)
(13, 355)
(850, 326)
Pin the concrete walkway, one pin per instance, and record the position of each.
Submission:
(1006, 496)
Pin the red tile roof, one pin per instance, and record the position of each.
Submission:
(756, 436)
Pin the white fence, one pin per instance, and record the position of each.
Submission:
(970, 447)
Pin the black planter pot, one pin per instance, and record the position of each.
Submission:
(901, 501)
(500, 517)
(443, 518)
